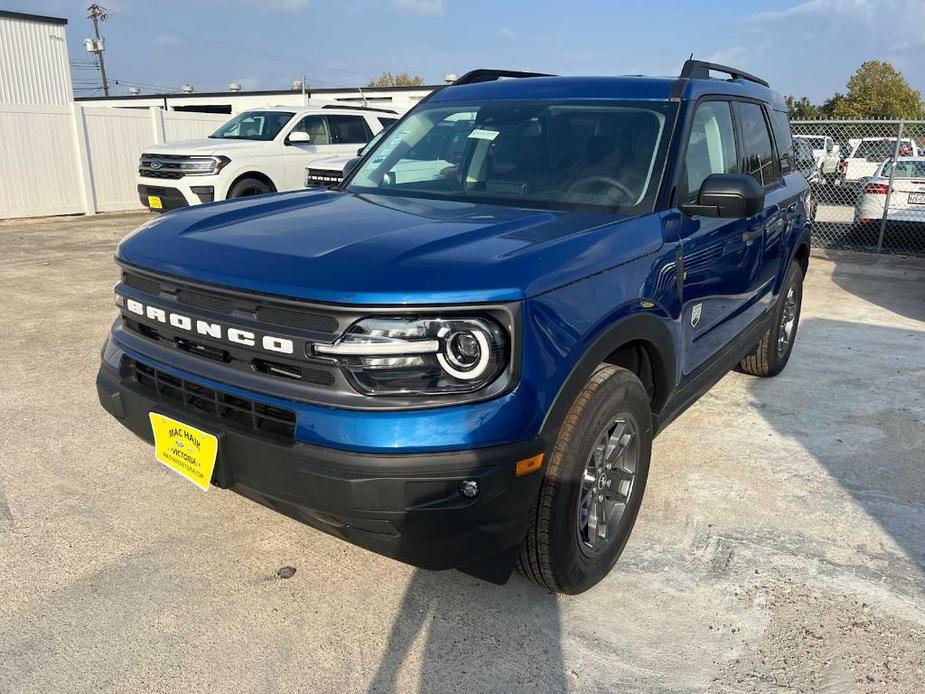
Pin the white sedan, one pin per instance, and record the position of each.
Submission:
(906, 201)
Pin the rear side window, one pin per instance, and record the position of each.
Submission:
(386, 122)
(784, 141)
(711, 148)
(350, 130)
(758, 155)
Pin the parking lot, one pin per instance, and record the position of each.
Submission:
(780, 546)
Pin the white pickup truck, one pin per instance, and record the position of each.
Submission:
(258, 151)
(825, 153)
(868, 153)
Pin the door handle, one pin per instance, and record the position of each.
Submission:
(752, 234)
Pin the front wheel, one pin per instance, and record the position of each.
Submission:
(771, 354)
(248, 186)
(593, 486)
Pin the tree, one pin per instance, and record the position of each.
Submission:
(402, 79)
(878, 90)
(802, 108)
(830, 105)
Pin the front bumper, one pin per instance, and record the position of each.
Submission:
(404, 506)
(180, 192)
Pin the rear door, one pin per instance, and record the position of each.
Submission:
(721, 257)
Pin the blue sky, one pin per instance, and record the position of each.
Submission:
(807, 47)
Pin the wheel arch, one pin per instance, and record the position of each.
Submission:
(259, 175)
(642, 343)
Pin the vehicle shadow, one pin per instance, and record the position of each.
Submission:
(893, 283)
(465, 635)
(853, 397)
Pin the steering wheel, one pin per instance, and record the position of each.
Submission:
(590, 181)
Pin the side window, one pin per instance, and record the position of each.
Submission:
(758, 156)
(711, 148)
(350, 130)
(784, 141)
(317, 129)
(386, 122)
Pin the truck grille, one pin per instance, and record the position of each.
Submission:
(225, 409)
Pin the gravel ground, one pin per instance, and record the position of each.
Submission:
(780, 545)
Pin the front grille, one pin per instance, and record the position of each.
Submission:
(322, 177)
(151, 173)
(223, 408)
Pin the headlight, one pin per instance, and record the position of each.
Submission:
(203, 165)
(418, 355)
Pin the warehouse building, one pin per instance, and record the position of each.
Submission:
(234, 101)
(34, 67)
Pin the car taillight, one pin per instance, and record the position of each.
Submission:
(876, 189)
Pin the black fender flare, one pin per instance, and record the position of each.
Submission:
(647, 328)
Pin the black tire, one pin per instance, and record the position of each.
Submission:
(771, 354)
(249, 186)
(554, 554)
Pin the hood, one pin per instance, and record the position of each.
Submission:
(334, 246)
(204, 146)
(336, 163)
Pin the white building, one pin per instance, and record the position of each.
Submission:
(34, 66)
(398, 98)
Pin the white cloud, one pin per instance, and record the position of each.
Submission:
(423, 7)
(277, 5)
(506, 33)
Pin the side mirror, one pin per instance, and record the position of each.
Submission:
(351, 165)
(728, 195)
(297, 137)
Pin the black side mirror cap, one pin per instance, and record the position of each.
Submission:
(351, 165)
(728, 195)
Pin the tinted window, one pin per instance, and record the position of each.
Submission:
(758, 156)
(350, 130)
(317, 129)
(554, 154)
(878, 150)
(253, 125)
(711, 148)
(784, 141)
(905, 169)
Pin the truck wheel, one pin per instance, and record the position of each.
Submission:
(593, 486)
(248, 186)
(770, 355)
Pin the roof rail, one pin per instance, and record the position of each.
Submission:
(699, 69)
(361, 108)
(489, 75)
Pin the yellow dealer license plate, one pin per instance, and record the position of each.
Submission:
(154, 202)
(184, 449)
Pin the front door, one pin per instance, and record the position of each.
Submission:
(322, 131)
(721, 257)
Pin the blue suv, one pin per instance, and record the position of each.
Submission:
(460, 355)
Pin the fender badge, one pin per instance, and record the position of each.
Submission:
(695, 315)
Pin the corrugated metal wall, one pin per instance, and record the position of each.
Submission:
(34, 65)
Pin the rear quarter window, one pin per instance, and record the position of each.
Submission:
(759, 158)
(783, 138)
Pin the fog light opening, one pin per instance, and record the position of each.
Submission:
(469, 488)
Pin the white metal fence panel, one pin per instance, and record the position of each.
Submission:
(38, 155)
(115, 138)
(190, 126)
(861, 200)
(70, 159)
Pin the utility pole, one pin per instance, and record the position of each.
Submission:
(98, 14)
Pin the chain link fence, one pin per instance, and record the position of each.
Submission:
(868, 183)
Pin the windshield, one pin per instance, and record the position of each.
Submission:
(905, 169)
(556, 155)
(253, 125)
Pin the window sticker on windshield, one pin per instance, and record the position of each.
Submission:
(482, 134)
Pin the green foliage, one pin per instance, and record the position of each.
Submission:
(402, 79)
(802, 108)
(878, 90)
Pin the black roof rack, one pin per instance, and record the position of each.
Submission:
(362, 108)
(489, 75)
(699, 69)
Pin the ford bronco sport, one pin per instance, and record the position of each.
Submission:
(460, 355)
